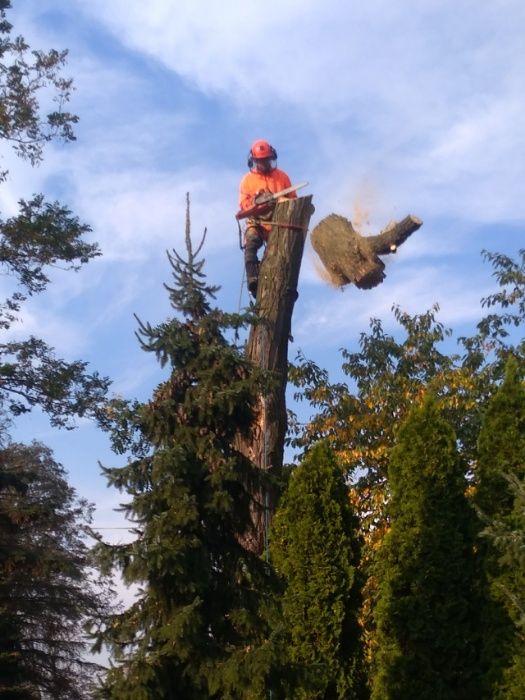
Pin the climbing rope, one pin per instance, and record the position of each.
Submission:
(264, 465)
(243, 278)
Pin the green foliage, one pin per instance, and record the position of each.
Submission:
(198, 628)
(383, 379)
(496, 328)
(507, 536)
(46, 590)
(31, 375)
(384, 376)
(501, 475)
(315, 549)
(501, 445)
(390, 371)
(425, 612)
(24, 74)
(40, 237)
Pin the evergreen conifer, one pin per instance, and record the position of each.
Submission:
(500, 472)
(197, 629)
(426, 626)
(47, 588)
(315, 549)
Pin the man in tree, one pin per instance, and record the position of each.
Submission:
(263, 177)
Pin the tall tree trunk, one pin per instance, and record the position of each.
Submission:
(268, 348)
(349, 257)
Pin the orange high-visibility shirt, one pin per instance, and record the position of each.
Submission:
(254, 182)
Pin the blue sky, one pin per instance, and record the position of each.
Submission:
(386, 108)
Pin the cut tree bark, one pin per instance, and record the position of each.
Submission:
(350, 257)
(268, 348)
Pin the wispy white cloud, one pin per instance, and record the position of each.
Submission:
(423, 98)
(423, 63)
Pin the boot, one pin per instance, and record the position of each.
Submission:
(252, 276)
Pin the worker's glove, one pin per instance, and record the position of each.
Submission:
(262, 196)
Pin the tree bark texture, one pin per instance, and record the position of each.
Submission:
(268, 348)
(350, 257)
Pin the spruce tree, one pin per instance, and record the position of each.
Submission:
(426, 626)
(197, 628)
(501, 474)
(315, 549)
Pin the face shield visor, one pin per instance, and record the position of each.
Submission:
(264, 165)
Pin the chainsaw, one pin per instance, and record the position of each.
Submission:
(263, 202)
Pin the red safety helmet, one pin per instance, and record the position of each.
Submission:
(261, 150)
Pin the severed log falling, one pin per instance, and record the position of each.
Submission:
(350, 257)
(268, 348)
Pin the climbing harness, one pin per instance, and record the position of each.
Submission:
(261, 222)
